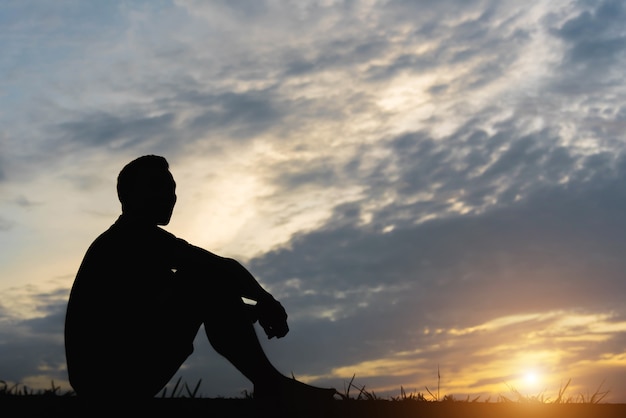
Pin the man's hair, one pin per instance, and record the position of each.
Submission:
(139, 175)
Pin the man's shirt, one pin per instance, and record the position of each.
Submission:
(124, 294)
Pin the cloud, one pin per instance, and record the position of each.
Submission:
(595, 36)
(558, 249)
(115, 132)
(476, 46)
(5, 224)
(246, 114)
(24, 202)
(594, 48)
(33, 345)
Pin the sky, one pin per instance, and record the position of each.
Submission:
(430, 188)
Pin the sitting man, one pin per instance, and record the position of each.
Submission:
(141, 294)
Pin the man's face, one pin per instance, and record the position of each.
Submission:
(151, 198)
(162, 200)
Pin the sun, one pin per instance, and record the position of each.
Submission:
(531, 378)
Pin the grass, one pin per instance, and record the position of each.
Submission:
(17, 389)
(181, 391)
(561, 398)
(351, 391)
(354, 401)
(517, 397)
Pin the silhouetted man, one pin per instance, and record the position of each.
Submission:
(141, 294)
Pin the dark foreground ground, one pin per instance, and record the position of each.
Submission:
(41, 406)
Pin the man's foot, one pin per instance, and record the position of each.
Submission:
(292, 388)
(289, 395)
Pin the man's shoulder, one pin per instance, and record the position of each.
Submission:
(129, 234)
(126, 242)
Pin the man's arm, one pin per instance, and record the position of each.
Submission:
(270, 313)
(226, 270)
(246, 283)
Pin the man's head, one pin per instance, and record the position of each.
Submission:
(147, 189)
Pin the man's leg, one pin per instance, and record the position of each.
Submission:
(168, 342)
(230, 329)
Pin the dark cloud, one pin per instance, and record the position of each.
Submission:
(5, 224)
(33, 347)
(595, 34)
(217, 116)
(115, 131)
(595, 47)
(24, 202)
(574, 234)
(232, 115)
(242, 114)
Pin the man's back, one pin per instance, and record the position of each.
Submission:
(121, 293)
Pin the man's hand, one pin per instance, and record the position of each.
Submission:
(272, 317)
